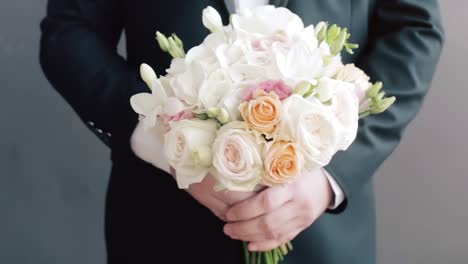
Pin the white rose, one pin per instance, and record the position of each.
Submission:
(312, 126)
(266, 20)
(211, 19)
(237, 158)
(187, 147)
(345, 106)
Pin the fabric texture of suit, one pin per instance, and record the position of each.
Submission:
(400, 41)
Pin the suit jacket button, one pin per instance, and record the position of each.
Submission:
(91, 123)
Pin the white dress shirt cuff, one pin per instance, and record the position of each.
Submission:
(338, 192)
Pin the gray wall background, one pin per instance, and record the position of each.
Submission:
(53, 171)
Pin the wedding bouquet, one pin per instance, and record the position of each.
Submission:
(258, 103)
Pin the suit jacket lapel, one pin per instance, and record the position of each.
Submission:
(279, 3)
(230, 5)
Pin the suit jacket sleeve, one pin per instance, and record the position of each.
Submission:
(406, 38)
(79, 57)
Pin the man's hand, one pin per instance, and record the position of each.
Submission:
(148, 146)
(218, 202)
(277, 215)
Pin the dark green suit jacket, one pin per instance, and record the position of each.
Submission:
(400, 41)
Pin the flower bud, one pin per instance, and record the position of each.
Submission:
(302, 88)
(162, 40)
(174, 49)
(333, 33)
(384, 105)
(223, 116)
(178, 41)
(148, 75)
(338, 45)
(219, 114)
(212, 112)
(212, 20)
(374, 90)
(321, 31)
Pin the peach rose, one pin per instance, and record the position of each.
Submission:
(282, 162)
(262, 113)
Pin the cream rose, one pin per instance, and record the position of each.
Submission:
(262, 113)
(282, 162)
(313, 127)
(237, 158)
(187, 147)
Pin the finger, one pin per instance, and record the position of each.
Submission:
(232, 198)
(272, 244)
(260, 204)
(266, 227)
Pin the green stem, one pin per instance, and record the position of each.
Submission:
(252, 258)
(289, 245)
(284, 250)
(275, 255)
(270, 257)
(246, 253)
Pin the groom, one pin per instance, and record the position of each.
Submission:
(330, 213)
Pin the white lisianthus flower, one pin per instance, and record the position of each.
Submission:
(212, 20)
(187, 147)
(314, 128)
(295, 63)
(306, 61)
(266, 20)
(237, 158)
(345, 106)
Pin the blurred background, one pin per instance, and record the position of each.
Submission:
(53, 171)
